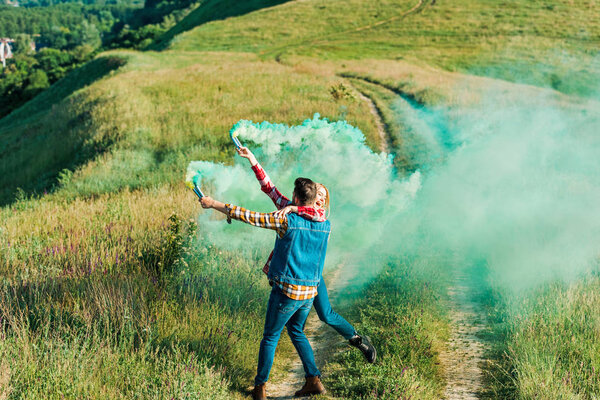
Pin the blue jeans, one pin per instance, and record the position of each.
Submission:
(283, 311)
(330, 317)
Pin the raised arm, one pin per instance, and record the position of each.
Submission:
(266, 185)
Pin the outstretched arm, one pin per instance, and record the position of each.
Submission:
(245, 152)
(262, 220)
(266, 185)
(209, 202)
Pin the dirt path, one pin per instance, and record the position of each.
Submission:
(324, 341)
(415, 8)
(464, 357)
(383, 136)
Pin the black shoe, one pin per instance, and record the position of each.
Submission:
(363, 344)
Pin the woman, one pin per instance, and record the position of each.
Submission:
(317, 213)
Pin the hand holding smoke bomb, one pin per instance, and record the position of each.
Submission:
(245, 152)
(193, 184)
(207, 202)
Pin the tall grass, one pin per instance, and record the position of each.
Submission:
(118, 297)
(551, 342)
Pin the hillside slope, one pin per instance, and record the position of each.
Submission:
(109, 287)
(550, 44)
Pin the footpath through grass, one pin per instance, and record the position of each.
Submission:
(402, 311)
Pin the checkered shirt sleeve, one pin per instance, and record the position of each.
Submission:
(262, 220)
(311, 213)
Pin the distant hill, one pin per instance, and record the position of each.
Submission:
(148, 112)
(550, 44)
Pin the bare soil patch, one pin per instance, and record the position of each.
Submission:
(464, 357)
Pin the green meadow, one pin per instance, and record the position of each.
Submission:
(109, 286)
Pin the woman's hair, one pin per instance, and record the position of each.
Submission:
(326, 202)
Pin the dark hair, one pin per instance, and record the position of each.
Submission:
(305, 191)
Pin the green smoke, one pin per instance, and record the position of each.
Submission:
(519, 191)
(513, 186)
(364, 190)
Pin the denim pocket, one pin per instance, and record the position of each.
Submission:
(285, 307)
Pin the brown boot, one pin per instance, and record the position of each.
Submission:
(260, 392)
(312, 386)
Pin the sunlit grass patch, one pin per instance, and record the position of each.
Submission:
(534, 43)
(141, 126)
(55, 367)
(551, 343)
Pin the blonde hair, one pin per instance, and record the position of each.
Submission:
(326, 202)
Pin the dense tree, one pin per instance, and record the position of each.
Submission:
(62, 26)
(36, 82)
(22, 44)
(48, 3)
(68, 35)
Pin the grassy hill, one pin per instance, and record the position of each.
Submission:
(550, 44)
(107, 290)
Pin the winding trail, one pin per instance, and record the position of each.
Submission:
(415, 8)
(383, 135)
(464, 358)
(465, 355)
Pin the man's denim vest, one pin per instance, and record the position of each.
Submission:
(299, 256)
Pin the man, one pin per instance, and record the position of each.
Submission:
(295, 272)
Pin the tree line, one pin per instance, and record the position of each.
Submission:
(68, 35)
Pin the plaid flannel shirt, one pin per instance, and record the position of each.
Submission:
(279, 225)
(280, 201)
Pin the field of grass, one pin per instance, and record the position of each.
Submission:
(550, 44)
(109, 288)
(119, 297)
(549, 343)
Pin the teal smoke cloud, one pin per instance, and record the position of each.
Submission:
(520, 192)
(363, 185)
(515, 186)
